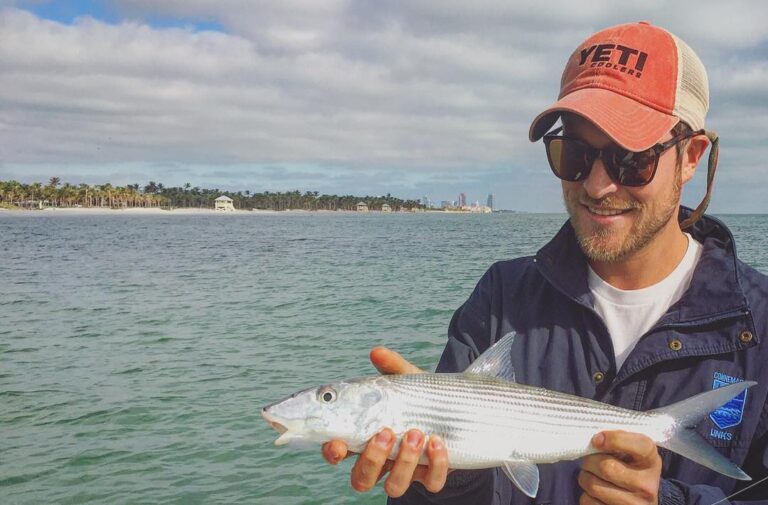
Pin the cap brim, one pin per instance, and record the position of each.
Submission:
(630, 124)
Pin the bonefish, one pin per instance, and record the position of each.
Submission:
(487, 420)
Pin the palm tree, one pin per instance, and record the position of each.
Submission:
(156, 195)
(151, 187)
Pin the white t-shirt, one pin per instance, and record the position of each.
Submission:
(629, 314)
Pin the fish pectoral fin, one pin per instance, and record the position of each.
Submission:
(524, 474)
(284, 438)
(496, 361)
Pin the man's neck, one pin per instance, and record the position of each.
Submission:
(648, 266)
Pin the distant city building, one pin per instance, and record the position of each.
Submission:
(462, 200)
(425, 201)
(445, 204)
(386, 208)
(490, 202)
(223, 203)
(362, 207)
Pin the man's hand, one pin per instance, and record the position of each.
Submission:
(627, 471)
(372, 464)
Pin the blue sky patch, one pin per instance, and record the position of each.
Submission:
(196, 25)
(68, 12)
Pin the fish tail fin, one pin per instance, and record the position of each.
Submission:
(685, 441)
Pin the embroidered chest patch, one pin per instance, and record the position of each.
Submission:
(730, 414)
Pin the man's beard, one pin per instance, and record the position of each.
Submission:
(600, 244)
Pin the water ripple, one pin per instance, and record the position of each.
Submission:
(137, 351)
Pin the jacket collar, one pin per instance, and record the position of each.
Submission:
(715, 288)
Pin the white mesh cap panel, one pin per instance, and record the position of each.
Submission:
(692, 97)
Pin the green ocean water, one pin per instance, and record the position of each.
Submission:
(137, 351)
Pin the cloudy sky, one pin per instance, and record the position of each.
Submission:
(412, 98)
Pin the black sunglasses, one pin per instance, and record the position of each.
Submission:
(571, 159)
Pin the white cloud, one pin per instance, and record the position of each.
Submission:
(409, 89)
(177, 94)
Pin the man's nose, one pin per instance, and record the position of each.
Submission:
(598, 184)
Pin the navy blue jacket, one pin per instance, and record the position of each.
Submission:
(721, 322)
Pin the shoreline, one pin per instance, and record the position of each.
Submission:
(156, 211)
(131, 210)
(188, 211)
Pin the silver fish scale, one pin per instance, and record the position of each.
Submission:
(487, 420)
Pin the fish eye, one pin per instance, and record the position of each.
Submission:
(326, 394)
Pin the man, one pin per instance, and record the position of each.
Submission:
(636, 301)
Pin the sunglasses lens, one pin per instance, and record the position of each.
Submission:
(571, 160)
(630, 168)
(568, 159)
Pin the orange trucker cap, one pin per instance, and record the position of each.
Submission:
(635, 82)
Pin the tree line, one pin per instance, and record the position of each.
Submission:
(157, 195)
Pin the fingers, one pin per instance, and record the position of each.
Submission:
(335, 451)
(368, 467)
(609, 468)
(641, 449)
(401, 475)
(585, 499)
(433, 476)
(388, 361)
(628, 469)
(372, 464)
(385, 469)
(599, 491)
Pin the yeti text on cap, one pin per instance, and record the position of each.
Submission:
(601, 55)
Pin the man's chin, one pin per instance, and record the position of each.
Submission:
(604, 251)
(602, 244)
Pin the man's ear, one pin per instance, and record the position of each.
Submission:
(695, 149)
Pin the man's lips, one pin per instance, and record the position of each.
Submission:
(604, 211)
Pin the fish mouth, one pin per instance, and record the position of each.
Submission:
(278, 426)
(272, 420)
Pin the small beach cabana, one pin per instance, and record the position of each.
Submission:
(386, 208)
(223, 203)
(362, 207)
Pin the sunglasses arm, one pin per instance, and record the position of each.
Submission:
(714, 151)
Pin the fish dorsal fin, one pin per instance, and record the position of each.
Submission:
(524, 474)
(496, 361)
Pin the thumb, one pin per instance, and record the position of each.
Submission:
(388, 362)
